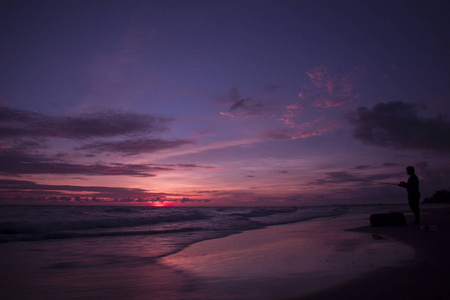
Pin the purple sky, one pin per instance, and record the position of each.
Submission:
(223, 102)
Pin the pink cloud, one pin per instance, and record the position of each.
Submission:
(292, 111)
(315, 132)
(227, 114)
(327, 90)
(300, 131)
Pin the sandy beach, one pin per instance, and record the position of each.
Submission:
(325, 259)
(426, 276)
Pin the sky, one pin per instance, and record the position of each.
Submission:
(222, 102)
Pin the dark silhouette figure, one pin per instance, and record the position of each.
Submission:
(412, 186)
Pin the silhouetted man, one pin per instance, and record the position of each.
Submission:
(412, 186)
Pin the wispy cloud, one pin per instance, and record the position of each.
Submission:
(390, 164)
(344, 177)
(26, 140)
(24, 188)
(16, 123)
(271, 87)
(398, 125)
(324, 90)
(15, 191)
(242, 107)
(289, 117)
(16, 163)
(361, 167)
(208, 147)
(300, 131)
(327, 90)
(136, 146)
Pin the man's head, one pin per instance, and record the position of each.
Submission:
(410, 170)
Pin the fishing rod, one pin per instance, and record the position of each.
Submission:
(378, 182)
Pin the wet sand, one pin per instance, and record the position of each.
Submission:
(426, 276)
(287, 261)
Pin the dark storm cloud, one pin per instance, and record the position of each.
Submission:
(397, 125)
(16, 163)
(133, 147)
(16, 123)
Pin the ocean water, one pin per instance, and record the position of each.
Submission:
(87, 252)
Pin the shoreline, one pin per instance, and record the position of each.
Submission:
(285, 261)
(336, 257)
(426, 276)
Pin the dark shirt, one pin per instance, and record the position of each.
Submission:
(413, 184)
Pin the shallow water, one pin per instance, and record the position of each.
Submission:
(286, 261)
(129, 253)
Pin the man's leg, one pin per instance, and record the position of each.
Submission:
(413, 201)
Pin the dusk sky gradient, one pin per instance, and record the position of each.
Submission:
(223, 102)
